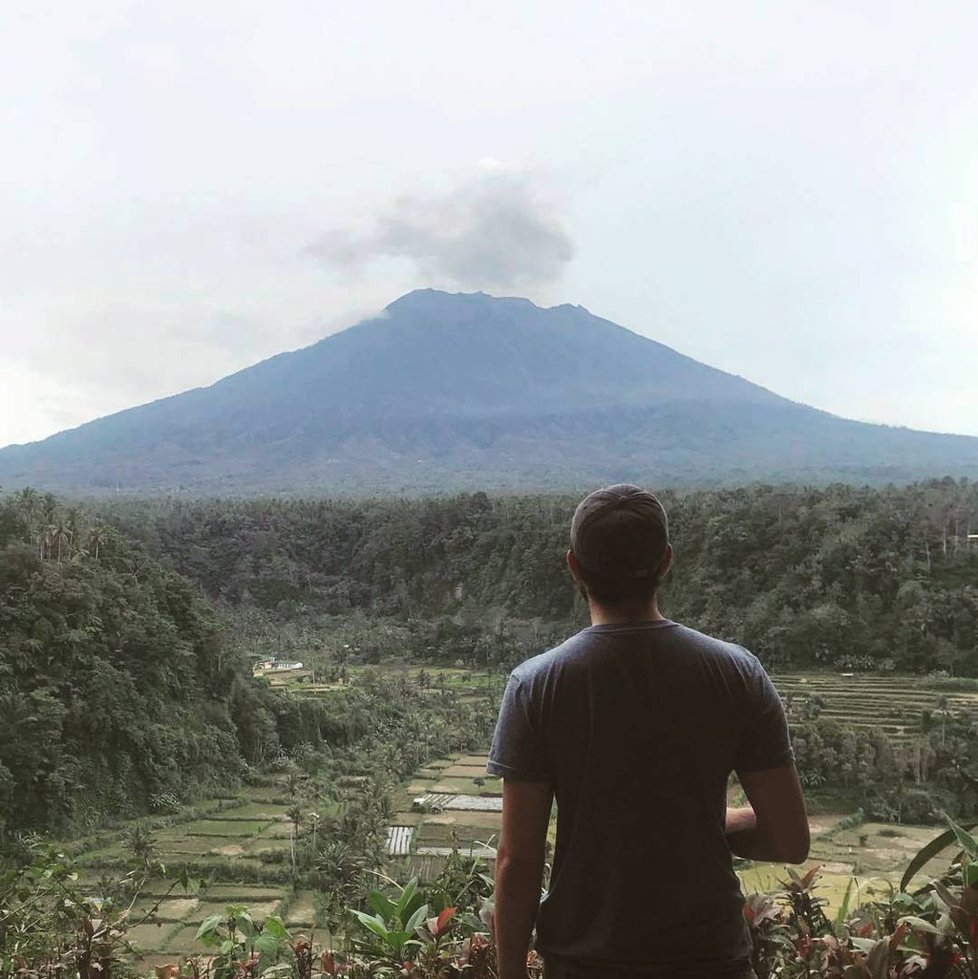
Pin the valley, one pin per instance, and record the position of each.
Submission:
(246, 846)
(141, 730)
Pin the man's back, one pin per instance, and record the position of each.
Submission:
(637, 727)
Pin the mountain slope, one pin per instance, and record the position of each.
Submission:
(469, 391)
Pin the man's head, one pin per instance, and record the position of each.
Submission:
(619, 545)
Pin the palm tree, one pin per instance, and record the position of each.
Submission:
(47, 541)
(30, 504)
(314, 818)
(61, 536)
(98, 539)
(294, 812)
(942, 705)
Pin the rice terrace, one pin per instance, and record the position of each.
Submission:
(241, 843)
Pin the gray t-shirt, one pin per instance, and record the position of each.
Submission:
(637, 728)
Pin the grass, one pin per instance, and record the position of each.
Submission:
(460, 786)
(150, 936)
(102, 856)
(241, 893)
(302, 910)
(405, 818)
(261, 812)
(194, 847)
(466, 818)
(464, 771)
(224, 827)
(265, 795)
(433, 834)
(945, 683)
(172, 909)
(183, 939)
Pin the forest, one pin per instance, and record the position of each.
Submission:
(842, 577)
(127, 627)
(123, 692)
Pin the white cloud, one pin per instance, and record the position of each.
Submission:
(495, 230)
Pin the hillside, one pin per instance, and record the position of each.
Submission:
(840, 577)
(115, 682)
(469, 391)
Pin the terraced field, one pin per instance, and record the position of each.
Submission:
(449, 804)
(893, 704)
(872, 855)
(243, 843)
(170, 933)
(240, 839)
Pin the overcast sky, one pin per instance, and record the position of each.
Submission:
(785, 190)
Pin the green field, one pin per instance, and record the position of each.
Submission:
(224, 847)
(891, 704)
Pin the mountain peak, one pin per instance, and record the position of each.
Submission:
(467, 390)
(438, 299)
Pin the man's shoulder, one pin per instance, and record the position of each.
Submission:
(713, 645)
(721, 656)
(574, 653)
(552, 660)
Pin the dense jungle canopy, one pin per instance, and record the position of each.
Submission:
(841, 576)
(124, 687)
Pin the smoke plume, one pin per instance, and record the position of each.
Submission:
(495, 231)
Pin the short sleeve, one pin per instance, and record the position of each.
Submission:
(517, 751)
(766, 742)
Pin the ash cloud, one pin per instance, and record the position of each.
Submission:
(494, 231)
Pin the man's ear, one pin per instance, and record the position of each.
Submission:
(573, 566)
(666, 563)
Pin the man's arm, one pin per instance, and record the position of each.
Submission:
(519, 871)
(775, 825)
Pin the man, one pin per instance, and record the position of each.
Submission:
(635, 725)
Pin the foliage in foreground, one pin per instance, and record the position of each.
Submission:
(931, 933)
(50, 930)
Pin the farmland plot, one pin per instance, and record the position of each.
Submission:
(891, 704)
(228, 843)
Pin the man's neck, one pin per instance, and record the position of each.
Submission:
(624, 614)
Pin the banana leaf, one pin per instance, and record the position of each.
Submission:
(929, 851)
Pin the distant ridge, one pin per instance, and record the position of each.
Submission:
(445, 392)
